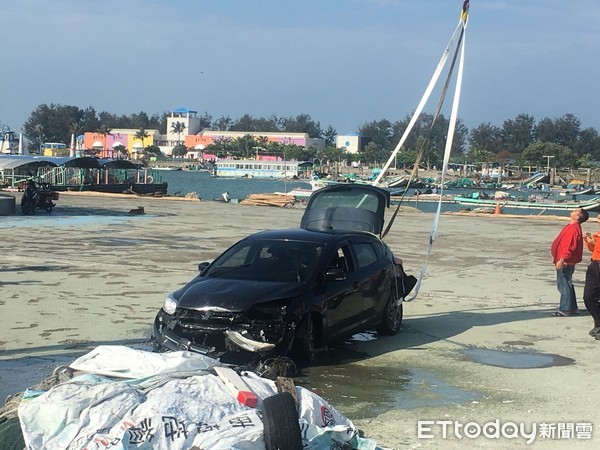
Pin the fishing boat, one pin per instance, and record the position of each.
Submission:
(299, 193)
(541, 205)
(536, 179)
(166, 168)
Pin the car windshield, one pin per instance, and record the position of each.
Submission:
(267, 260)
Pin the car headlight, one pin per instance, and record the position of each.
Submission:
(170, 304)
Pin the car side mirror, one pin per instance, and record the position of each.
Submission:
(202, 266)
(335, 275)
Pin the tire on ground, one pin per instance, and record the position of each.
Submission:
(280, 422)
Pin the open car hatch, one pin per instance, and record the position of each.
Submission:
(346, 207)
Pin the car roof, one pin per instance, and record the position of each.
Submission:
(346, 207)
(296, 234)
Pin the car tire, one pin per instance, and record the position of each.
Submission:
(303, 348)
(392, 316)
(280, 423)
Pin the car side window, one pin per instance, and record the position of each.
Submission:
(341, 260)
(365, 254)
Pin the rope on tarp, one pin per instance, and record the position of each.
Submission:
(61, 374)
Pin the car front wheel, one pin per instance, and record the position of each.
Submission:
(392, 316)
(303, 348)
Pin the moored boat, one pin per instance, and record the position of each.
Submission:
(592, 204)
(166, 168)
(251, 168)
(80, 174)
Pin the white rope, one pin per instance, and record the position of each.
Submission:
(420, 106)
(447, 151)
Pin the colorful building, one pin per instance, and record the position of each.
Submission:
(200, 141)
(107, 146)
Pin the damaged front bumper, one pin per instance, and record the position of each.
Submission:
(248, 344)
(214, 334)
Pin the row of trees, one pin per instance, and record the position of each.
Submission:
(520, 141)
(56, 123)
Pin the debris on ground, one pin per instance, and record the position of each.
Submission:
(138, 210)
(280, 200)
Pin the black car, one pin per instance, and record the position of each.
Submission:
(290, 291)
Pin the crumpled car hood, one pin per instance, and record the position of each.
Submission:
(232, 295)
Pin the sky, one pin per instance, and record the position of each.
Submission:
(343, 62)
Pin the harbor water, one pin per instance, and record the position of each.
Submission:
(209, 187)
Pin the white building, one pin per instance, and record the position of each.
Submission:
(353, 142)
(191, 124)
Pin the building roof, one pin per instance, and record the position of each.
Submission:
(84, 162)
(15, 161)
(207, 132)
(183, 110)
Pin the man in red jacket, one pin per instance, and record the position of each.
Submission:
(567, 250)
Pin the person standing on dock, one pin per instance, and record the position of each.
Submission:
(591, 290)
(567, 250)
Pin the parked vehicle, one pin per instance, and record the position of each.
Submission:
(38, 197)
(291, 291)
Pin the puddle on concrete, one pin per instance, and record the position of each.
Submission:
(61, 221)
(360, 390)
(120, 242)
(32, 268)
(525, 359)
(520, 343)
(71, 217)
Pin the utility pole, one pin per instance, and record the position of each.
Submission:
(548, 157)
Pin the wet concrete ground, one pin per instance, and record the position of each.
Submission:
(478, 343)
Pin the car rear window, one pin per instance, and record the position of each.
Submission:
(347, 199)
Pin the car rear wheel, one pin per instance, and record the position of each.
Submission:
(280, 423)
(303, 349)
(392, 316)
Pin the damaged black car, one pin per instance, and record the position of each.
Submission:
(289, 292)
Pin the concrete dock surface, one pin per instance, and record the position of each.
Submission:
(478, 346)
